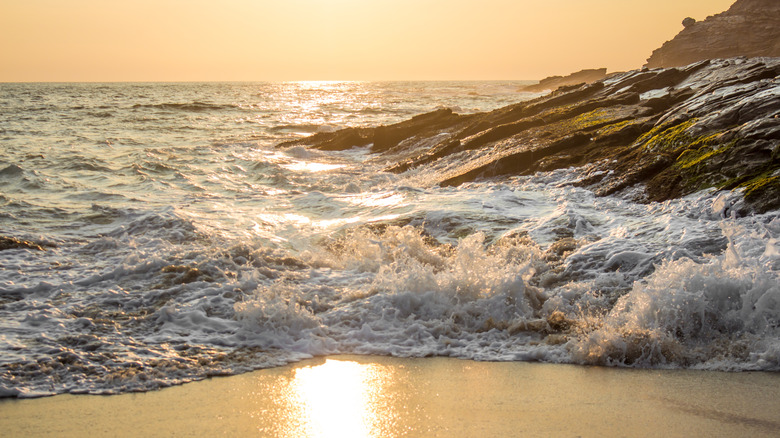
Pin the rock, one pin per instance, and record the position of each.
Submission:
(749, 28)
(14, 243)
(558, 322)
(554, 82)
(177, 274)
(381, 138)
(387, 137)
(670, 132)
(340, 140)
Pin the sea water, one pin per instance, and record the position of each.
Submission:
(179, 242)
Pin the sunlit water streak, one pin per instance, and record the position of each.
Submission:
(180, 243)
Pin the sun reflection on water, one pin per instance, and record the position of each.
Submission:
(339, 399)
(384, 199)
(302, 166)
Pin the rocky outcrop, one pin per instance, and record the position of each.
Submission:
(382, 138)
(749, 28)
(668, 132)
(554, 82)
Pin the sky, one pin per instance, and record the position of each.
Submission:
(291, 40)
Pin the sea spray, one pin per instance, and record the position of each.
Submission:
(708, 314)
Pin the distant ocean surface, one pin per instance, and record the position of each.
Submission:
(180, 243)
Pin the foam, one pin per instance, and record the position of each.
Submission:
(696, 313)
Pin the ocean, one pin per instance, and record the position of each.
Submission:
(177, 242)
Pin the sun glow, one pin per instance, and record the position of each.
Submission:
(239, 40)
(340, 399)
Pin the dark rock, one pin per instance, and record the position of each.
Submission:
(387, 137)
(521, 162)
(554, 82)
(14, 243)
(383, 137)
(558, 322)
(749, 28)
(340, 140)
(177, 274)
(672, 131)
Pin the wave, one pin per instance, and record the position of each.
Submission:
(301, 128)
(101, 115)
(16, 179)
(153, 166)
(11, 171)
(210, 307)
(166, 224)
(722, 313)
(187, 107)
(80, 163)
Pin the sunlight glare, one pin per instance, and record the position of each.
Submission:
(284, 218)
(341, 399)
(302, 166)
(385, 199)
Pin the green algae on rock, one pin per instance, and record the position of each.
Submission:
(669, 132)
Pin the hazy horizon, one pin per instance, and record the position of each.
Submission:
(325, 40)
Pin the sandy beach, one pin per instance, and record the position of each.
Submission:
(348, 396)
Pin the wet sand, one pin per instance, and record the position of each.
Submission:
(349, 396)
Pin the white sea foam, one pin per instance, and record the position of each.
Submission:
(716, 313)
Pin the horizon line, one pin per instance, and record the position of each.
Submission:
(262, 81)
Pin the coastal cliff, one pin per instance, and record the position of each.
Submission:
(749, 28)
(661, 134)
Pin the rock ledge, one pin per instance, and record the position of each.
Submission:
(667, 132)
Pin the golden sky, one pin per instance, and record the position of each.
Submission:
(257, 40)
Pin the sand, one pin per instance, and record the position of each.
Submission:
(348, 396)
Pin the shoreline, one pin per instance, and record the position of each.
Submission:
(385, 396)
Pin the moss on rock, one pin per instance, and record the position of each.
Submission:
(668, 138)
(757, 186)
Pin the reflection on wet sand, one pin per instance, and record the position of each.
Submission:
(338, 399)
